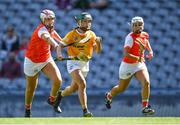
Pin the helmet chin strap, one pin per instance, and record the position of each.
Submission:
(138, 32)
(49, 27)
(84, 29)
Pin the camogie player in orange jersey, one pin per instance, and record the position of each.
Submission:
(133, 64)
(82, 41)
(38, 58)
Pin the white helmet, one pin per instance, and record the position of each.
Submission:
(136, 19)
(46, 14)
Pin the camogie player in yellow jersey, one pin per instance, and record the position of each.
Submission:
(81, 42)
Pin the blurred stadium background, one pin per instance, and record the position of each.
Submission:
(161, 18)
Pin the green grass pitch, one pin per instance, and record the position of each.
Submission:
(93, 121)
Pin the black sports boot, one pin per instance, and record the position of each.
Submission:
(28, 113)
(87, 113)
(148, 110)
(108, 101)
(57, 100)
(56, 108)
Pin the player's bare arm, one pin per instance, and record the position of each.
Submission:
(150, 55)
(51, 41)
(46, 37)
(59, 39)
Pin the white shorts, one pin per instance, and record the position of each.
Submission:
(31, 68)
(74, 64)
(126, 70)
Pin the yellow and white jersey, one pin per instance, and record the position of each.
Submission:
(85, 43)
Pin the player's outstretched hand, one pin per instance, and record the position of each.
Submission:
(99, 39)
(98, 46)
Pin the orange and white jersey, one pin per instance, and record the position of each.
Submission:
(39, 50)
(87, 41)
(132, 42)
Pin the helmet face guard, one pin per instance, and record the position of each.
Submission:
(137, 24)
(84, 21)
(47, 18)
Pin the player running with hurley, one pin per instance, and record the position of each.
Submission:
(38, 58)
(133, 64)
(82, 41)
